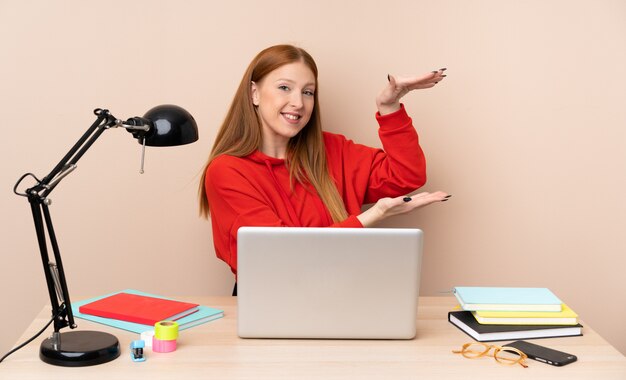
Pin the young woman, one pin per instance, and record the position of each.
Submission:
(272, 165)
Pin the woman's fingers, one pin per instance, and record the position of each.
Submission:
(424, 81)
(425, 198)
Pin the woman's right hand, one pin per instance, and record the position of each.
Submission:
(386, 207)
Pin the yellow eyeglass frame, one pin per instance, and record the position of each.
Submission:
(472, 353)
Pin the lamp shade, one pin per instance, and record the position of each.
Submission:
(171, 125)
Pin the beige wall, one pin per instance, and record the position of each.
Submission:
(528, 133)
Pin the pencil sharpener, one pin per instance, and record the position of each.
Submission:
(136, 350)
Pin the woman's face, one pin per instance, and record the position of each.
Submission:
(285, 99)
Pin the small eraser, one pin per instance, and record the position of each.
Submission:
(147, 336)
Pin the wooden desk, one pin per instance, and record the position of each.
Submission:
(213, 351)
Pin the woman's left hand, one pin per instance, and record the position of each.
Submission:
(386, 207)
(388, 101)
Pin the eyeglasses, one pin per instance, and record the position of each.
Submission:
(503, 355)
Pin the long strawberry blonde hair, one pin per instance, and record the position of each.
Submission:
(241, 132)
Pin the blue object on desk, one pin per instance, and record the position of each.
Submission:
(136, 350)
(203, 315)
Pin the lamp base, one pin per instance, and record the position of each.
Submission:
(80, 349)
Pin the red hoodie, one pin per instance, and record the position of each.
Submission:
(255, 190)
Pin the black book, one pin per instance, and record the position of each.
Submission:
(466, 322)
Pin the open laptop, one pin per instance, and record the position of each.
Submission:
(334, 283)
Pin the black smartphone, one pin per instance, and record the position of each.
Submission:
(543, 354)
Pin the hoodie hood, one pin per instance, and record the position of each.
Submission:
(262, 158)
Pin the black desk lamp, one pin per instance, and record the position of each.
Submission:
(165, 125)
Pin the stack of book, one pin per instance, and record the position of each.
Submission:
(492, 313)
(137, 311)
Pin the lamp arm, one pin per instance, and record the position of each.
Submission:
(102, 116)
(43, 249)
(37, 197)
(55, 276)
(68, 167)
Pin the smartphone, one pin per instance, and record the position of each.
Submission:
(543, 354)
